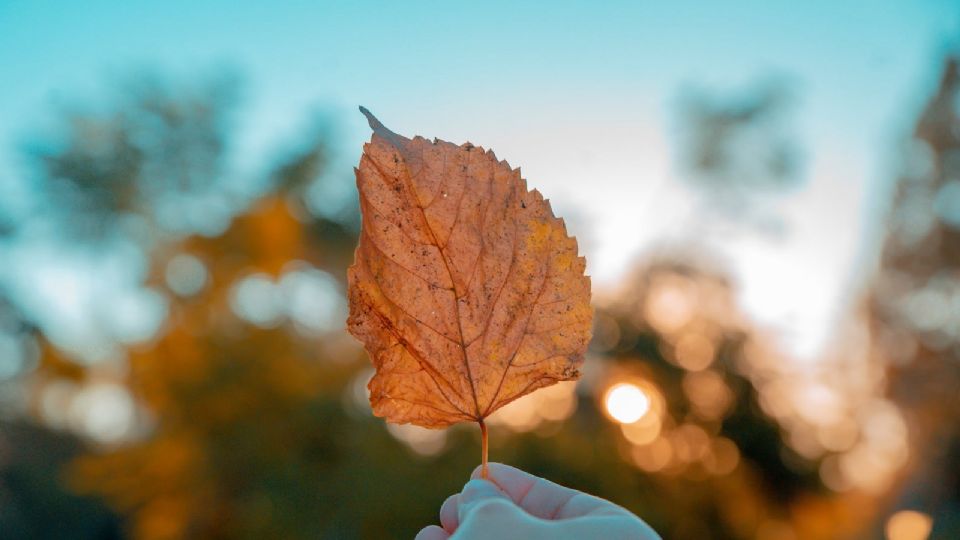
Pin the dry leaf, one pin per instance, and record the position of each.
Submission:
(465, 290)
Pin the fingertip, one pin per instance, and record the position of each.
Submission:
(497, 509)
(479, 489)
(477, 493)
(448, 513)
(495, 468)
(511, 480)
(432, 532)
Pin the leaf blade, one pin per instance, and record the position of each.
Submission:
(466, 290)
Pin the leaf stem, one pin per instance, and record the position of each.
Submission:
(484, 472)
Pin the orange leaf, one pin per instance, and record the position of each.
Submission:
(465, 289)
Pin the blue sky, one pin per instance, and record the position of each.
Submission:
(580, 94)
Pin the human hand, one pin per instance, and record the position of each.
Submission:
(516, 504)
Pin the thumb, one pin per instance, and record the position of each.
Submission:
(476, 493)
(486, 513)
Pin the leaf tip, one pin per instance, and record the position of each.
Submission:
(371, 119)
(376, 125)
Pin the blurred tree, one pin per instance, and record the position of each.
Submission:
(18, 356)
(33, 501)
(738, 149)
(158, 153)
(739, 142)
(244, 414)
(240, 404)
(229, 421)
(914, 306)
(715, 461)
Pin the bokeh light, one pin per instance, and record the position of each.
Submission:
(105, 412)
(186, 275)
(554, 403)
(709, 395)
(694, 351)
(671, 304)
(423, 441)
(643, 431)
(909, 525)
(255, 299)
(626, 403)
